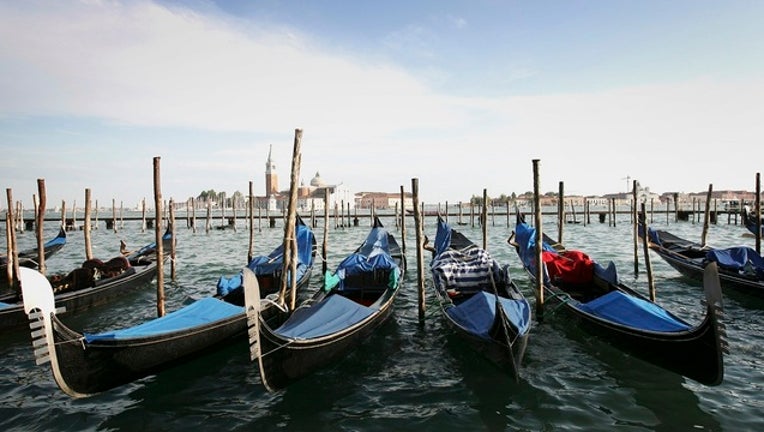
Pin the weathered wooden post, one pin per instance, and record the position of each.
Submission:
(560, 211)
(757, 203)
(63, 214)
(646, 250)
(634, 225)
(324, 248)
(419, 245)
(13, 252)
(158, 238)
(291, 218)
(209, 216)
(539, 243)
(251, 219)
(706, 214)
(40, 219)
(86, 227)
(113, 214)
(403, 221)
(172, 245)
(484, 228)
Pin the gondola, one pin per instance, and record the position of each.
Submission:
(479, 299)
(740, 267)
(84, 364)
(599, 303)
(31, 257)
(751, 222)
(353, 301)
(94, 283)
(267, 268)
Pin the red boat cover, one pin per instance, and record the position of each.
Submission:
(569, 266)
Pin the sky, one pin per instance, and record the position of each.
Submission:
(460, 95)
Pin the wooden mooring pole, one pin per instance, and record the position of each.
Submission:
(539, 243)
(40, 218)
(419, 245)
(158, 238)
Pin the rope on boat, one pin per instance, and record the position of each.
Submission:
(276, 349)
(562, 297)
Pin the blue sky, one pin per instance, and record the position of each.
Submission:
(461, 95)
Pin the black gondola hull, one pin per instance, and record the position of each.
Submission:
(696, 354)
(286, 361)
(89, 368)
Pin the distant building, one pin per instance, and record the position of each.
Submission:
(382, 200)
(309, 197)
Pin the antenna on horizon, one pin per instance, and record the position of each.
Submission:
(628, 181)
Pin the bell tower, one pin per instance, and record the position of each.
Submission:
(271, 179)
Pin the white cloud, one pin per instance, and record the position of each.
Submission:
(373, 126)
(143, 64)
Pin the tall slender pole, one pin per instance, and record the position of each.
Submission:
(290, 238)
(40, 216)
(251, 208)
(9, 246)
(484, 216)
(758, 213)
(560, 211)
(635, 233)
(324, 249)
(419, 244)
(86, 227)
(403, 221)
(707, 214)
(539, 240)
(646, 250)
(13, 253)
(158, 237)
(193, 215)
(172, 245)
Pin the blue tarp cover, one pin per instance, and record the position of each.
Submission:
(525, 236)
(200, 312)
(476, 313)
(372, 255)
(330, 316)
(633, 312)
(55, 241)
(274, 261)
(740, 258)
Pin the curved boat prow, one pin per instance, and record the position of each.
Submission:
(37, 291)
(712, 286)
(252, 307)
(39, 304)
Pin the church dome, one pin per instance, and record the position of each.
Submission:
(316, 181)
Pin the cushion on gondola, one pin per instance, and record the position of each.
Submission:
(569, 266)
(633, 312)
(477, 313)
(466, 270)
(200, 312)
(327, 317)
